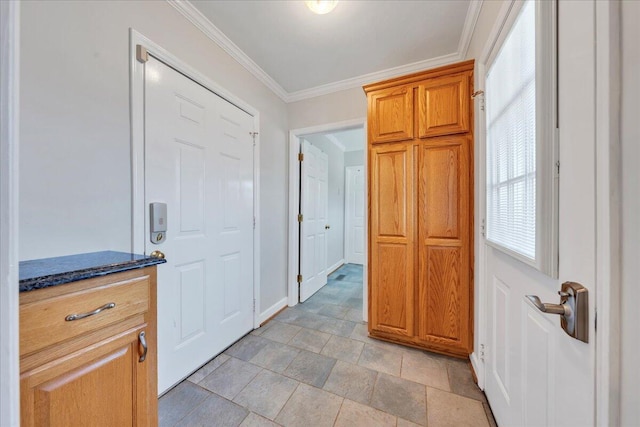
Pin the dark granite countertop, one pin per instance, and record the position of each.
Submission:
(42, 273)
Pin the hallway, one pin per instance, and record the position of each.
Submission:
(313, 365)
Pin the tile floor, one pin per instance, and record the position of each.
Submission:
(314, 365)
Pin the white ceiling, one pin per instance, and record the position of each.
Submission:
(299, 54)
(346, 140)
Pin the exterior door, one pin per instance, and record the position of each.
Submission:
(535, 371)
(314, 226)
(354, 215)
(199, 161)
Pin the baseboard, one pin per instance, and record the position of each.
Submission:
(335, 266)
(273, 310)
(478, 368)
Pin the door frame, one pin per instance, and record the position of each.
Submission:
(347, 187)
(608, 163)
(294, 203)
(9, 214)
(136, 99)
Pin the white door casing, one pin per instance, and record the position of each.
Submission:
(534, 370)
(355, 213)
(198, 160)
(314, 173)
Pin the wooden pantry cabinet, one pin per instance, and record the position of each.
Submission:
(420, 156)
(99, 370)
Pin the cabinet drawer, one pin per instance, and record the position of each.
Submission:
(43, 323)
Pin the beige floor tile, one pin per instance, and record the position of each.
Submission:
(353, 414)
(404, 423)
(401, 398)
(310, 340)
(310, 407)
(342, 348)
(422, 369)
(450, 410)
(266, 394)
(351, 381)
(380, 359)
(255, 420)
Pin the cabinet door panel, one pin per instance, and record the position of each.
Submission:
(444, 283)
(391, 239)
(391, 115)
(444, 106)
(102, 385)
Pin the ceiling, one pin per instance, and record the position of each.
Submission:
(299, 54)
(347, 140)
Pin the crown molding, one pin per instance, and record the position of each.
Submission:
(359, 81)
(203, 24)
(473, 12)
(196, 17)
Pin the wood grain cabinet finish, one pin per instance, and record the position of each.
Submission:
(94, 373)
(421, 216)
(391, 251)
(443, 105)
(391, 115)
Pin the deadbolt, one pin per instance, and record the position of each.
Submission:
(573, 309)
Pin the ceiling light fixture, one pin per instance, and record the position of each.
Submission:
(321, 6)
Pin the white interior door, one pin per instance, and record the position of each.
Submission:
(199, 161)
(354, 215)
(314, 198)
(535, 372)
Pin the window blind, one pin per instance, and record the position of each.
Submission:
(511, 139)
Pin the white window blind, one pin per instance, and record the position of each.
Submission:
(511, 139)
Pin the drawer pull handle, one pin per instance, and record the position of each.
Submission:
(71, 317)
(142, 337)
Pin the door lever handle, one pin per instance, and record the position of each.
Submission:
(561, 309)
(573, 309)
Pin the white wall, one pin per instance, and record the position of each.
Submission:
(75, 184)
(630, 135)
(486, 20)
(335, 184)
(336, 107)
(354, 158)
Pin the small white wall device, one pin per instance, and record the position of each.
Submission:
(158, 222)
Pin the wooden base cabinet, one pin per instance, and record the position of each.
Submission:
(421, 212)
(100, 370)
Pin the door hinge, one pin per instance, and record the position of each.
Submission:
(141, 54)
(300, 217)
(479, 93)
(595, 320)
(558, 168)
(254, 305)
(300, 157)
(482, 352)
(299, 278)
(253, 135)
(254, 222)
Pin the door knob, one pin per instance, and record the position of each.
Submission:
(326, 227)
(157, 254)
(573, 309)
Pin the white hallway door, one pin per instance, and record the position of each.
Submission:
(354, 215)
(535, 372)
(199, 161)
(314, 170)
